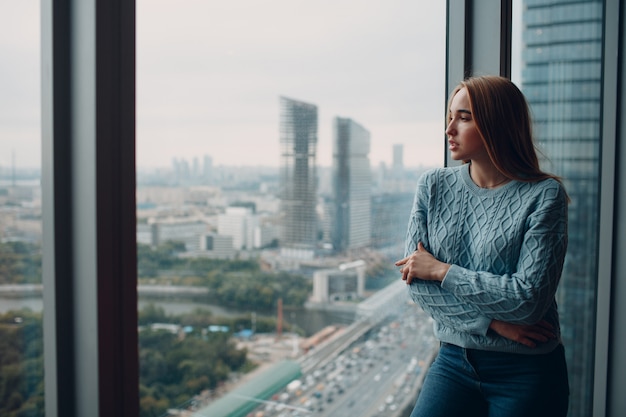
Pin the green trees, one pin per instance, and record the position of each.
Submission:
(20, 263)
(176, 366)
(173, 368)
(232, 283)
(257, 290)
(21, 364)
(151, 260)
(237, 284)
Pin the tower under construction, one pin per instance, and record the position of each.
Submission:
(298, 194)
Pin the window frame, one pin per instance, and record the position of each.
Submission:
(88, 192)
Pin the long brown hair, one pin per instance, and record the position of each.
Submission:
(503, 120)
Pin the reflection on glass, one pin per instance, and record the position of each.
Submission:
(278, 147)
(560, 71)
(21, 340)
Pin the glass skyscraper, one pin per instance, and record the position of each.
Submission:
(562, 78)
(298, 182)
(351, 185)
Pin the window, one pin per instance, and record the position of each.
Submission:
(278, 148)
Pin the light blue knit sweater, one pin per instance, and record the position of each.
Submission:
(506, 247)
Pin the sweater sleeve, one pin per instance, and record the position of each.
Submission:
(525, 295)
(442, 305)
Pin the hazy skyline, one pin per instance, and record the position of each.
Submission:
(209, 77)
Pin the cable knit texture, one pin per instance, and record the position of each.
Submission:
(506, 246)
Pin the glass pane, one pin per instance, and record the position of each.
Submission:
(278, 149)
(21, 305)
(558, 65)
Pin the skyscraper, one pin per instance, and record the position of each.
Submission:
(298, 188)
(207, 168)
(351, 185)
(398, 160)
(562, 79)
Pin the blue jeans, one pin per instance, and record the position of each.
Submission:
(476, 383)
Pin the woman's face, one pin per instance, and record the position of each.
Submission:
(464, 141)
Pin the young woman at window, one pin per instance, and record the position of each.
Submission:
(484, 254)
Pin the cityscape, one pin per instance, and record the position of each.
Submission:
(340, 227)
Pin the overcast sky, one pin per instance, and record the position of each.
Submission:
(19, 83)
(210, 73)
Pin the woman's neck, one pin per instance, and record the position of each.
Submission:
(486, 175)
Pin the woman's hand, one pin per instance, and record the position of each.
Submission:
(528, 335)
(422, 265)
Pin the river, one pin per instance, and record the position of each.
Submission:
(309, 320)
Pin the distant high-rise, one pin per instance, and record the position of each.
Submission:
(352, 184)
(298, 192)
(207, 168)
(389, 226)
(397, 167)
(398, 159)
(182, 170)
(562, 79)
(195, 167)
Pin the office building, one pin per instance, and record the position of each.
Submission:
(335, 285)
(389, 226)
(217, 246)
(562, 80)
(398, 160)
(240, 223)
(187, 231)
(352, 184)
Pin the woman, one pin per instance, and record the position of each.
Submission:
(484, 254)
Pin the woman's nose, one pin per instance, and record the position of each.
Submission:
(450, 129)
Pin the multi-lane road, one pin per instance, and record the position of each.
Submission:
(378, 374)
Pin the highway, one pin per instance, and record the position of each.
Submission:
(372, 371)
